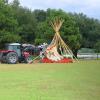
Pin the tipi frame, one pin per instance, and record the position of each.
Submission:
(58, 42)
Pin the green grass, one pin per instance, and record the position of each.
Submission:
(75, 81)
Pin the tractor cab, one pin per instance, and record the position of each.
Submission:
(15, 47)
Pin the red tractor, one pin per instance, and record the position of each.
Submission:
(14, 53)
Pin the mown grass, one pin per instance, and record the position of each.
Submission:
(75, 81)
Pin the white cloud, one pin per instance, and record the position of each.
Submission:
(89, 7)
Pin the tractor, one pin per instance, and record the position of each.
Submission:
(14, 53)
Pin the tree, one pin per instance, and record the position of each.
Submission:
(26, 23)
(15, 3)
(44, 33)
(8, 24)
(40, 15)
(89, 28)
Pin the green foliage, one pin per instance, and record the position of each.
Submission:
(9, 37)
(89, 29)
(15, 3)
(44, 32)
(74, 41)
(27, 23)
(39, 41)
(40, 15)
(8, 24)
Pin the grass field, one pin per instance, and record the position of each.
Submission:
(75, 81)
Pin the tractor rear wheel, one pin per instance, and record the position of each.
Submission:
(11, 58)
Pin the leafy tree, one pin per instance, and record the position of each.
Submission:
(40, 15)
(26, 22)
(89, 28)
(44, 32)
(15, 4)
(8, 24)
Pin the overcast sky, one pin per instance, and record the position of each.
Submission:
(89, 7)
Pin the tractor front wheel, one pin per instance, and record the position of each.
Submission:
(11, 58)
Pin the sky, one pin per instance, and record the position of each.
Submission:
(89, 7)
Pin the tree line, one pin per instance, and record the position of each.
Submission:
(20, 24)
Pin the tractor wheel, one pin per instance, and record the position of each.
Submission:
(11, 58)
(28, 59)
